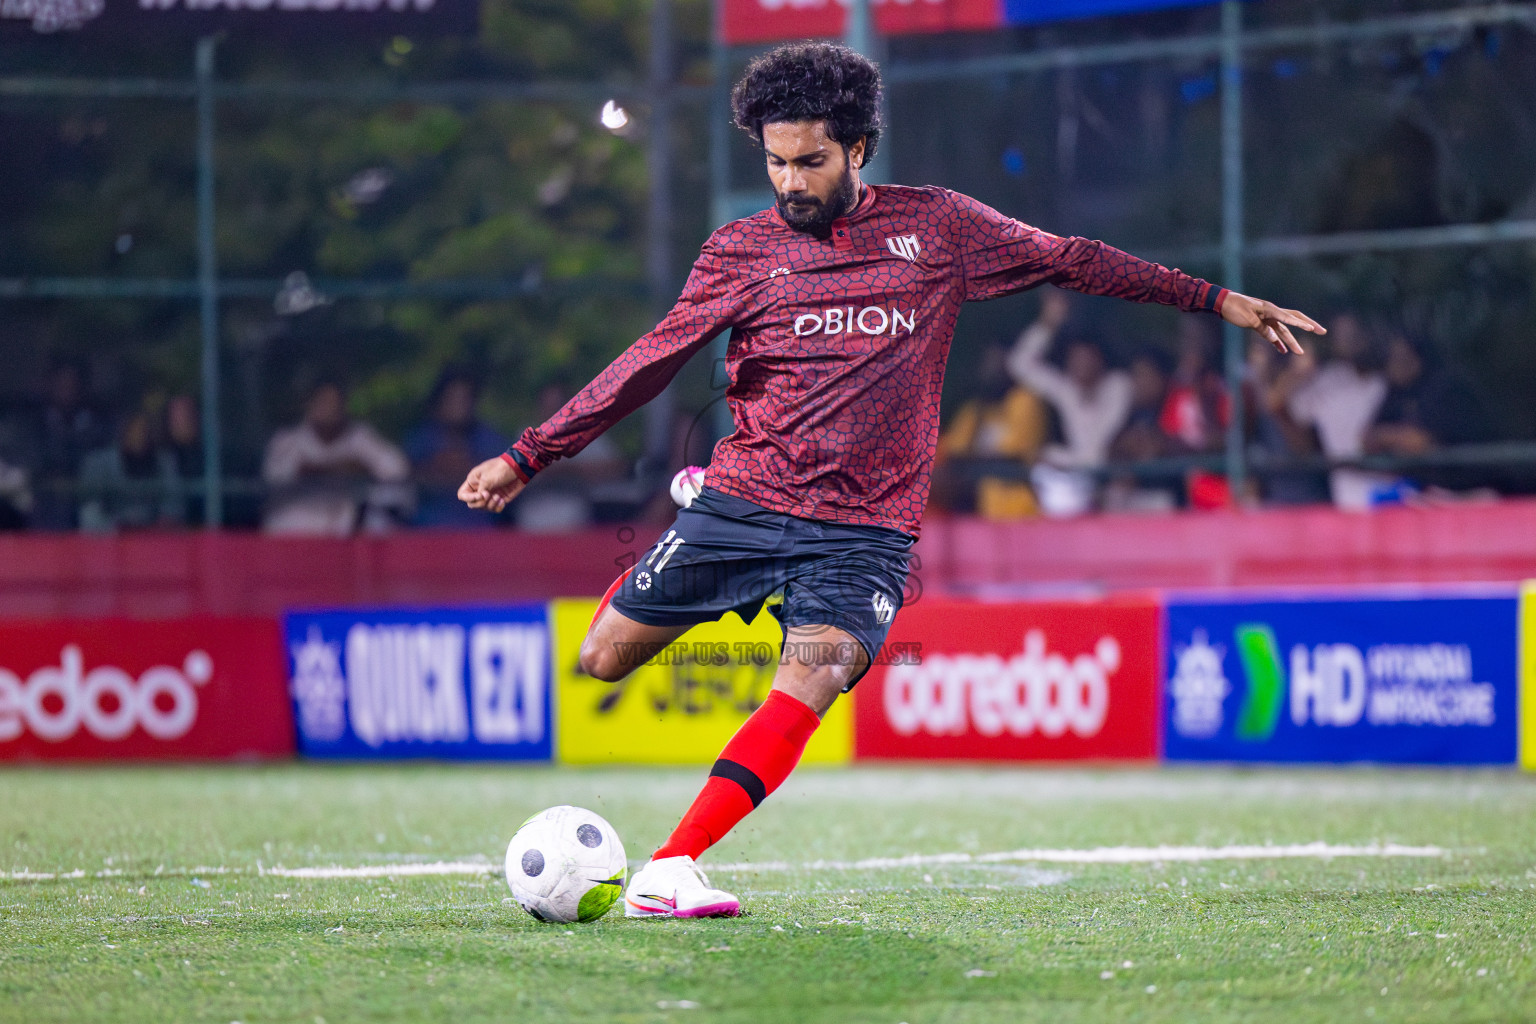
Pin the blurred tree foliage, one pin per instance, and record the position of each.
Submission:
(1411, 131)
(537, 194)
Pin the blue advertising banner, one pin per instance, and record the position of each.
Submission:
(448, 683)
(1415, 680)
(1027, 12)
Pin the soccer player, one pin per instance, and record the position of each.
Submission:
(842, 301)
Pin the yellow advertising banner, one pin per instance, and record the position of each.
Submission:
(683, 705)
(1528, 676)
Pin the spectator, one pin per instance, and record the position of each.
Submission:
(1091, 403)
(560, 497)
(67, 430)
(630, 498)
(184, 442)
(1144, 439)
(131, 484)
(1427, 407)
(1091, 400)
(1272, 380)
(331, 475)
(1340, 401)
(1143, 436)
(1197, 409)
(15, 497)
(445, 448)
(1003, 421)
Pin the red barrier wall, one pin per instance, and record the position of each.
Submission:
(1274, 547)
(171, 575)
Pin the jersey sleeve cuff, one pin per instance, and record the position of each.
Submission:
(514, 459)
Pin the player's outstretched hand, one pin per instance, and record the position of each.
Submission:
(490, 485)
(1272, 322)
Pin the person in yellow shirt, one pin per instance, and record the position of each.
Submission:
(1004, 420)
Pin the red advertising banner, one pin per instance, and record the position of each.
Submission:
(1005, 682)
(760, 21)
(117, 688)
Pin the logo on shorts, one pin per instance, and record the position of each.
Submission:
(905, 246)
(885, 609)
(642, 580)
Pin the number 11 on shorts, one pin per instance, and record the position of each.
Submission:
(670, 544)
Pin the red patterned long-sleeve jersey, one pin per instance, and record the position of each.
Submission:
(837, 354)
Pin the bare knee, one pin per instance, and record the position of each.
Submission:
(816, 685)
(818, 665)
(601, 659)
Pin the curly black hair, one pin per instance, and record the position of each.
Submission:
(812, 82)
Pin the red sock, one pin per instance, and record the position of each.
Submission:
(755, 763)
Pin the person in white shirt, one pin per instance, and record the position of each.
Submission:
(1091, 400)
(1092, 403)
(1340, 400)
(331, 474)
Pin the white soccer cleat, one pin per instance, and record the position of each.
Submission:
(676, 887)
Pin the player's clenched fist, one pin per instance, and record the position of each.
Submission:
(490, 485)
(1269, 320)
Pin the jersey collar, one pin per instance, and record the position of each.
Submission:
(840, 236)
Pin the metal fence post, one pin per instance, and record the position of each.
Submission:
(208, 290)
(658, 257)
(860, 36)
(720, 124)
(1232, 235)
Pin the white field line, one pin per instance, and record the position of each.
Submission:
(1099, 855)
(66, 876)
(441, 867)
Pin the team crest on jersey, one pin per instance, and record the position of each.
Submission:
(885, 608)
(905, 246)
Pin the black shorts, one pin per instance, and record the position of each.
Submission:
(727, 554)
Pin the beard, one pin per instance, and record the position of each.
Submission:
(815, 216)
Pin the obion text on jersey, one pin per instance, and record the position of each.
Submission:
(845, 320)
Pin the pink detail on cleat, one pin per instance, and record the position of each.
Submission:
(731, 909)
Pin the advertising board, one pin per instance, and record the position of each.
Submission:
(1019, 681)
(760, 21)
(1528, 676)
(1408, 679)
(165, 19)
(116, 688)
(682, 706)
(448, 683)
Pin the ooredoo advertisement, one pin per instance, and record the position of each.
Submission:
(117, 688)
(1037, 681)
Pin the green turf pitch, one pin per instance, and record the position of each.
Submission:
(160, 937)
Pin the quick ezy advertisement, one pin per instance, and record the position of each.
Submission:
(449, 683)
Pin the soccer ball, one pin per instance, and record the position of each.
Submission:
(566, 864)
(687, 485)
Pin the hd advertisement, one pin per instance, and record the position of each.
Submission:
(118, 688)
(1000, 682)
(683, 705)
(441, 683)
(1423, 679)
(1528, 676)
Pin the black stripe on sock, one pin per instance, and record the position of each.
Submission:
(743, 776)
